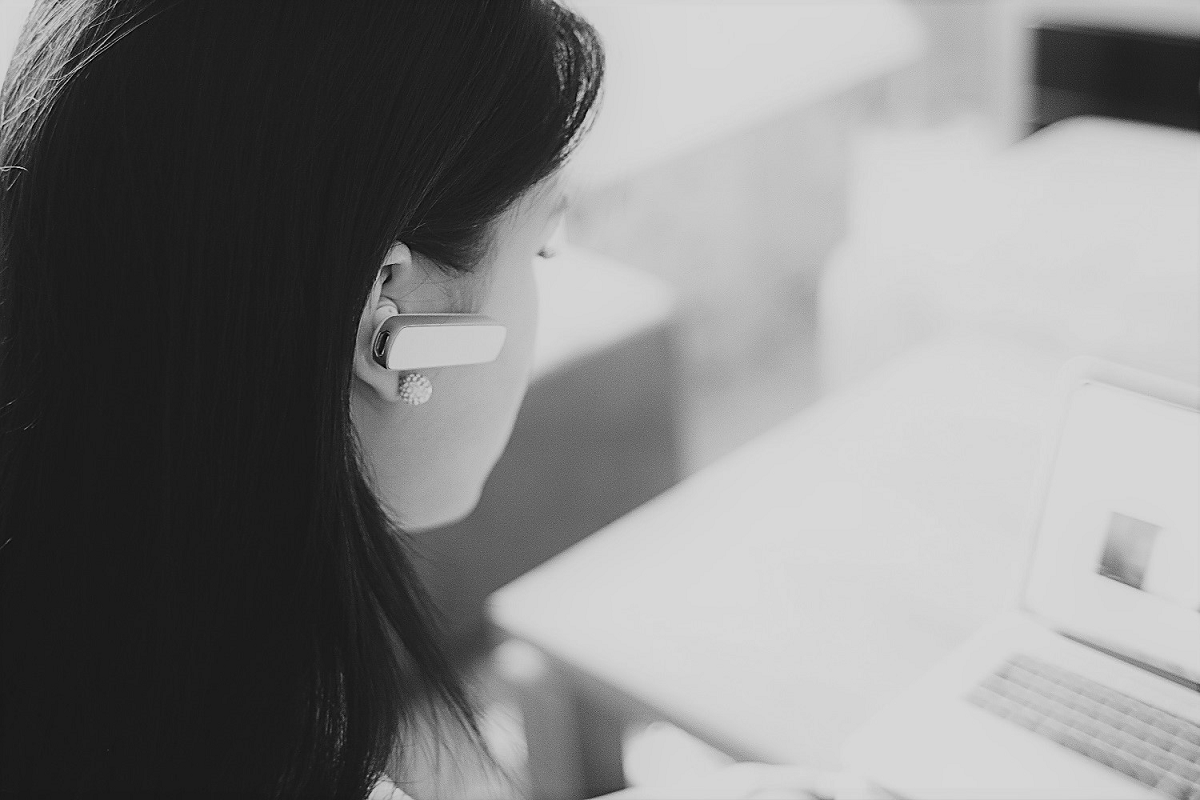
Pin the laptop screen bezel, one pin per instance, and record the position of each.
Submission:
(1050, 603)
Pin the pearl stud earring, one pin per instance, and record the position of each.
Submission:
(415, 388)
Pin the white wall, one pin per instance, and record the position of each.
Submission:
(12, 16)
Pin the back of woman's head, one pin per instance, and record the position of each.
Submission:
(199, 590)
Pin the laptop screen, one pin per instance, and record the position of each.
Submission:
(1118, 548)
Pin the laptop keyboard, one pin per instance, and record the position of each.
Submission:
(1150, 745)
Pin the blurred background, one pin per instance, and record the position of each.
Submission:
(778, 199)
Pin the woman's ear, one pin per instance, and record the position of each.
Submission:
(393, 281)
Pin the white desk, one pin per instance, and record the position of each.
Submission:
(771, 603)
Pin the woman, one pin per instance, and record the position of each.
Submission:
(207, 206)
(207, 210)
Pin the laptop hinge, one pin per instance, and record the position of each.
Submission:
(1159, 671)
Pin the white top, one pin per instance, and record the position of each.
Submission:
(384, 789)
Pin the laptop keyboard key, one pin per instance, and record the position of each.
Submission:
(1181, 750)
(1185, 750)
(1121, 763)
(1077, 742)
(1138, 748)
(1148, 773)
(1163, 761)
(1161, 740)
(1189, 773)
(1173, 786)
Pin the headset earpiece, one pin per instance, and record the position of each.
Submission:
(425, 341)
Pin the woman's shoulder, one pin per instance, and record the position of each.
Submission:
(384, 789)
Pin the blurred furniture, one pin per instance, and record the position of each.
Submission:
(770, 603)
(1082, 238)
(597, 435)
(1126, 59)
(718, 159)
(1135, 75)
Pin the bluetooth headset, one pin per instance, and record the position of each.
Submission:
(423, 341)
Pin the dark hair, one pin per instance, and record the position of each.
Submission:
(200, 593)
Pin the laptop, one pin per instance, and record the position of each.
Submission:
(1090, 688)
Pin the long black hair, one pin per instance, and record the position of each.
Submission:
(200, 593)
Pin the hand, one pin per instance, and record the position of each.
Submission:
(744, 781)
